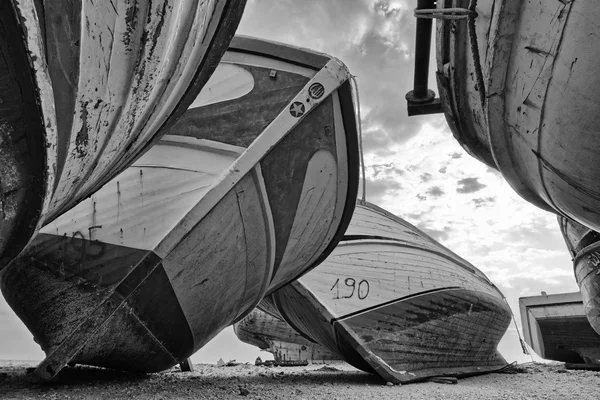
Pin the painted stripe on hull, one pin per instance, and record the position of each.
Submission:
(221, 267)
(452, 332)
(56, 298)
(239, 121)
(390, 303)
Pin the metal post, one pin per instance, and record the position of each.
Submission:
(421, 100)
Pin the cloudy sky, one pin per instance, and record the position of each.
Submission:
(415, 168)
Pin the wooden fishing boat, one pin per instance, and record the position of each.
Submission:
(86, 88)
(584, 245)
(274, 335)
(391, 300)
(253, 186)
(556, 327)
(513, 77)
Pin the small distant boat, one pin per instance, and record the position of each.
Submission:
(86, 87)
(274, 335)
(584, 245)
(556, 327)
(393, 301)
(520, 91)
(253, 186)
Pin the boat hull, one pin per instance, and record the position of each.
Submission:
(393, 301)
(209, 225)
(584, 245)
(275, 336)
(100, 83)
(556, 328)
(533, 79)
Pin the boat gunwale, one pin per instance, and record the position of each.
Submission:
(279, 51)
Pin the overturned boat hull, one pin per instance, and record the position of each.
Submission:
(513, 79)
(584, 245)
(393, 301)
(254, 185)
(556, 328)
(274, 335)
(87, 88)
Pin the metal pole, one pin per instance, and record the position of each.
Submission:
(422, 54)
(421, 100)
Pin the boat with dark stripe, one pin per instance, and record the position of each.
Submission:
(274, 335)
(393, 301)
(87, 87)
(253, 186)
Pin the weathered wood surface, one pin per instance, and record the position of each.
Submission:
(192, 236)
(274, 335)
(87, 87)
(584, 245)
(533, 115)
(391, 300)
(556, 327)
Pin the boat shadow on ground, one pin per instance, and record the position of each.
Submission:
(17, 378)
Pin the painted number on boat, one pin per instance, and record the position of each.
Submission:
(361, 289)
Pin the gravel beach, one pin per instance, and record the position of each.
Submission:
(339, 381)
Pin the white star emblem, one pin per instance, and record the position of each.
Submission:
(297, 109)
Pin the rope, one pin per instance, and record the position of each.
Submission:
(475, 52)
(360, 143)
(445, 13)
(521, 341)
(457, 14)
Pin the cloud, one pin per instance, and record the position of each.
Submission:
(426, 177)
(435, 191)
(469, 185)
(386, 169)
(483, 201)
(442, 234)
(377, 189)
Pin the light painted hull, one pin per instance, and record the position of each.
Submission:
(391, 300)
(531, 113)
(584, 245)
(87, 88)
(274, 335)
(243, 195)
(556, 327)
